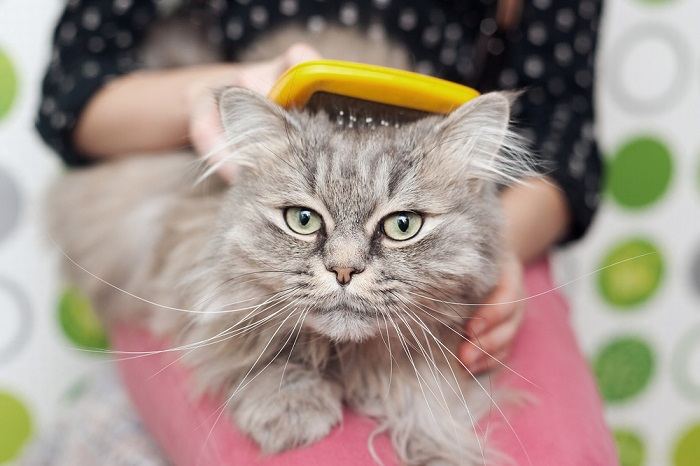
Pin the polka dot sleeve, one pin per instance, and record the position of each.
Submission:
(553, 58)
(94, 41)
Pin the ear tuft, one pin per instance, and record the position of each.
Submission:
(477, 136)
(254, 127)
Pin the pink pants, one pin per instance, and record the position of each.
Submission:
(563, 427)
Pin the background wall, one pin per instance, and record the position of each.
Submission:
(639, 321)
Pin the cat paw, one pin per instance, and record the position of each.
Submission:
(296, 415)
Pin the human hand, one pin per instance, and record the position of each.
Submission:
(493, 326)
(206, 133)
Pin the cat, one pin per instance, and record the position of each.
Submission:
(321, 277)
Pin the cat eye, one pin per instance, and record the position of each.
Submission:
(402, 226)
(302, 220)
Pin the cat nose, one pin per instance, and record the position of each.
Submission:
(344, 274)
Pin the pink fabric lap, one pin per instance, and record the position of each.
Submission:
(564, 427)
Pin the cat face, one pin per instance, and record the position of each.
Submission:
(362, 225)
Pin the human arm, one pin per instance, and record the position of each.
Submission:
(553, 60)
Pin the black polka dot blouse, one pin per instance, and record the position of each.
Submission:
(549, 54)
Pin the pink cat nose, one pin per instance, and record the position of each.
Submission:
(344, 274)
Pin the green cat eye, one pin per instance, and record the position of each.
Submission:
(302, 220)
(401, 226)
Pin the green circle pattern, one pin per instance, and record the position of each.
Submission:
(79, 322)
(630, 448)
(623, 368)
(687, 451)
(639, 173)
(8, 84)
(631, 273)
(15, 426)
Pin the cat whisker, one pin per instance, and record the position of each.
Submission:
(542, 293)
(431, 364)
(421, 307)
(387, 343)
(241, 384)
(407, 351)
(224, 336)
(291, 350)
(424, 327)
(486, 392)
(205, 342)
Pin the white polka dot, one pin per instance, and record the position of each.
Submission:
(376, 31)
(381, 4)
(563, 53)
(349, 14)
(537, 34)
(73, 3)
(90, 69)
(576, 167)
(96, 44)
(542, 4)
(55, 55)
(586, 9)
(488, 26)
(289, 7)
(465, 66)
(216, 5)
(121, 6)
(431, 36)
(67, 32)
(234, 29)
(534, 66)
(565, 19)
(425, 67)
(495, 46)
(258, 16)
(508, 78)
(91, 19)
(123, 39)
(588, 130)
(448, 56)
(48, 105)
(58, 120)
(584, 78)
(583, 43)
(316, 24)
(453, 32)
(408, 19)
(548, 148)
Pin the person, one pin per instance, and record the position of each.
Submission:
(93, 93)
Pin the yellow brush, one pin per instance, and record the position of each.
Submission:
(367, 95)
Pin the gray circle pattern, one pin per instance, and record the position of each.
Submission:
(680, 364)
(681, 78)
(695, 271)
(15, 343)
(11, 203)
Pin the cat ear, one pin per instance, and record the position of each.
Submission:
(254, 128)
(477, 139)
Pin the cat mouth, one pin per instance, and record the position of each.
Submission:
(346, 309)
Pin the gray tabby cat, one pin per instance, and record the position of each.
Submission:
(316, 279)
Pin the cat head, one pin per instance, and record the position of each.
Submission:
(362, 225)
